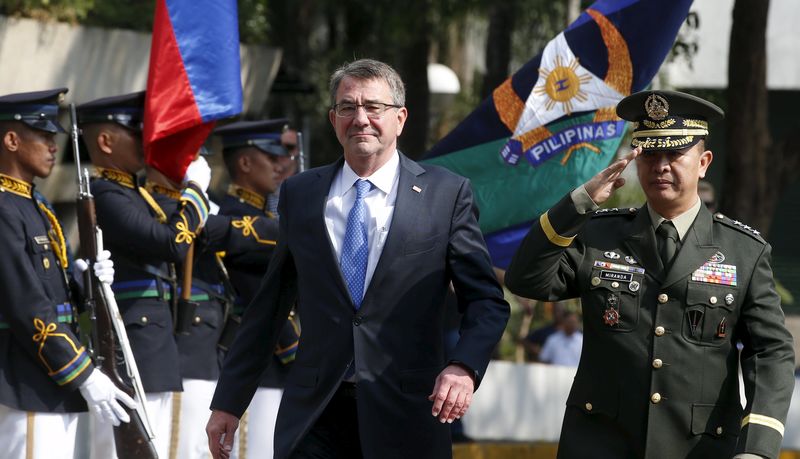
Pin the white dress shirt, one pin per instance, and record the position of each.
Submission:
(379, 203)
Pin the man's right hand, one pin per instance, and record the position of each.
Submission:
(220, 429)
(602, 186)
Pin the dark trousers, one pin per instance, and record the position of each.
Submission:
(335, 434)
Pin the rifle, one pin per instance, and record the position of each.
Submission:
(134, 439)
(301, 156)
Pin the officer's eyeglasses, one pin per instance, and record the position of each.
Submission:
(372, 109)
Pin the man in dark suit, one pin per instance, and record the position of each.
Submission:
(668, 290)
(368, 246)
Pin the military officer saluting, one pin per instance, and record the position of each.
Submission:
(667, 292)
(254, 154)
(46, 375)
(147, 242)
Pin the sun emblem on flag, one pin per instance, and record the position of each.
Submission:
(562, 84)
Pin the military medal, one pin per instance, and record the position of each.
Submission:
(722, 328)
(611, 315)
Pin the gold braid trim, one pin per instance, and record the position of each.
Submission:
(162, 217)
(116, 176)
(162, 190)
(551, 233)
(246, 196)
(246, 225)
(47, 331)
(56, 236)
(15, 186)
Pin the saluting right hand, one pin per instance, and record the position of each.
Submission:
(602, 186)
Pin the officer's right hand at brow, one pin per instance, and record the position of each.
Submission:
(602, 186)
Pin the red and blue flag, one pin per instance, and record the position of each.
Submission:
(552, 125)
(193, 80)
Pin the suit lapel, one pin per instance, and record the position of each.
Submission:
(318, 196)
(642, 242)
(698, 246)
(406, 207)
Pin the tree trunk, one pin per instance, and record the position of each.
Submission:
(498, 45)
(751, 191)
(413, 59)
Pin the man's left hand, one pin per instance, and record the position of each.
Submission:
(452, 393)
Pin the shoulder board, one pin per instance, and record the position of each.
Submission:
(737, 225)
(616, 211)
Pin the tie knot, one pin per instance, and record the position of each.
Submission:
(362, 188)
(667, 230)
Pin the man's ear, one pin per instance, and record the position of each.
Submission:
(11, 141)
(705, 160)
(105, 141)
(244, 163)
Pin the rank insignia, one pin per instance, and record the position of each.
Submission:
(630, 260)
(611, 255)
(717, 258)
(716, 273)
(611, 316)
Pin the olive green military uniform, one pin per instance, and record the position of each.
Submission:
(658, 373)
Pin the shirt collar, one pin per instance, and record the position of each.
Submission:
(383, 178)
(682, 222)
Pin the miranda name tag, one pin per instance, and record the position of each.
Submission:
(716, 273)
(613, 275)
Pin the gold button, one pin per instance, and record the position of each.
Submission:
(595, 281)
(144, 319)
(615, 284)
(588, 406)
(663, 298)
(46, 263)
(657, 363)
(197, 319)
(655, 398)
(46, 247)
(719, 430)
(660, 331)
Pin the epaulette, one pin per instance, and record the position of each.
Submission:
(616, 211)
(736, 224)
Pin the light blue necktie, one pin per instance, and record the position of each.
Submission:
(355, 248)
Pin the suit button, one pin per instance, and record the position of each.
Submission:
(663, 298)
(595, 281)
(660, 331)
(588, 406)
(657, 363)
(719, 431)
(712, 300)
(655, 398)
(143, 319)
(615, 284)
(197, 319)
(357, 321)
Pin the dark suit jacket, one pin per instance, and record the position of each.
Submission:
(395, 337)
(658, 374)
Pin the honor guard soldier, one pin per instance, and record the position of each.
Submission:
(668, 290)
(46, 374)
(198, 346)
(254, 156)
(147, 242)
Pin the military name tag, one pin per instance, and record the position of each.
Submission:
(41, 240)
(715, 273)
(617, 276)
(618, 267)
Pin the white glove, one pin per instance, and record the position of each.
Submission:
(199, 173)
(103, 398)
(103, 268)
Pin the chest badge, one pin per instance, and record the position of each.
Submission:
(717, 258)
(611, 315)
(611, 255)
(630, 260)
